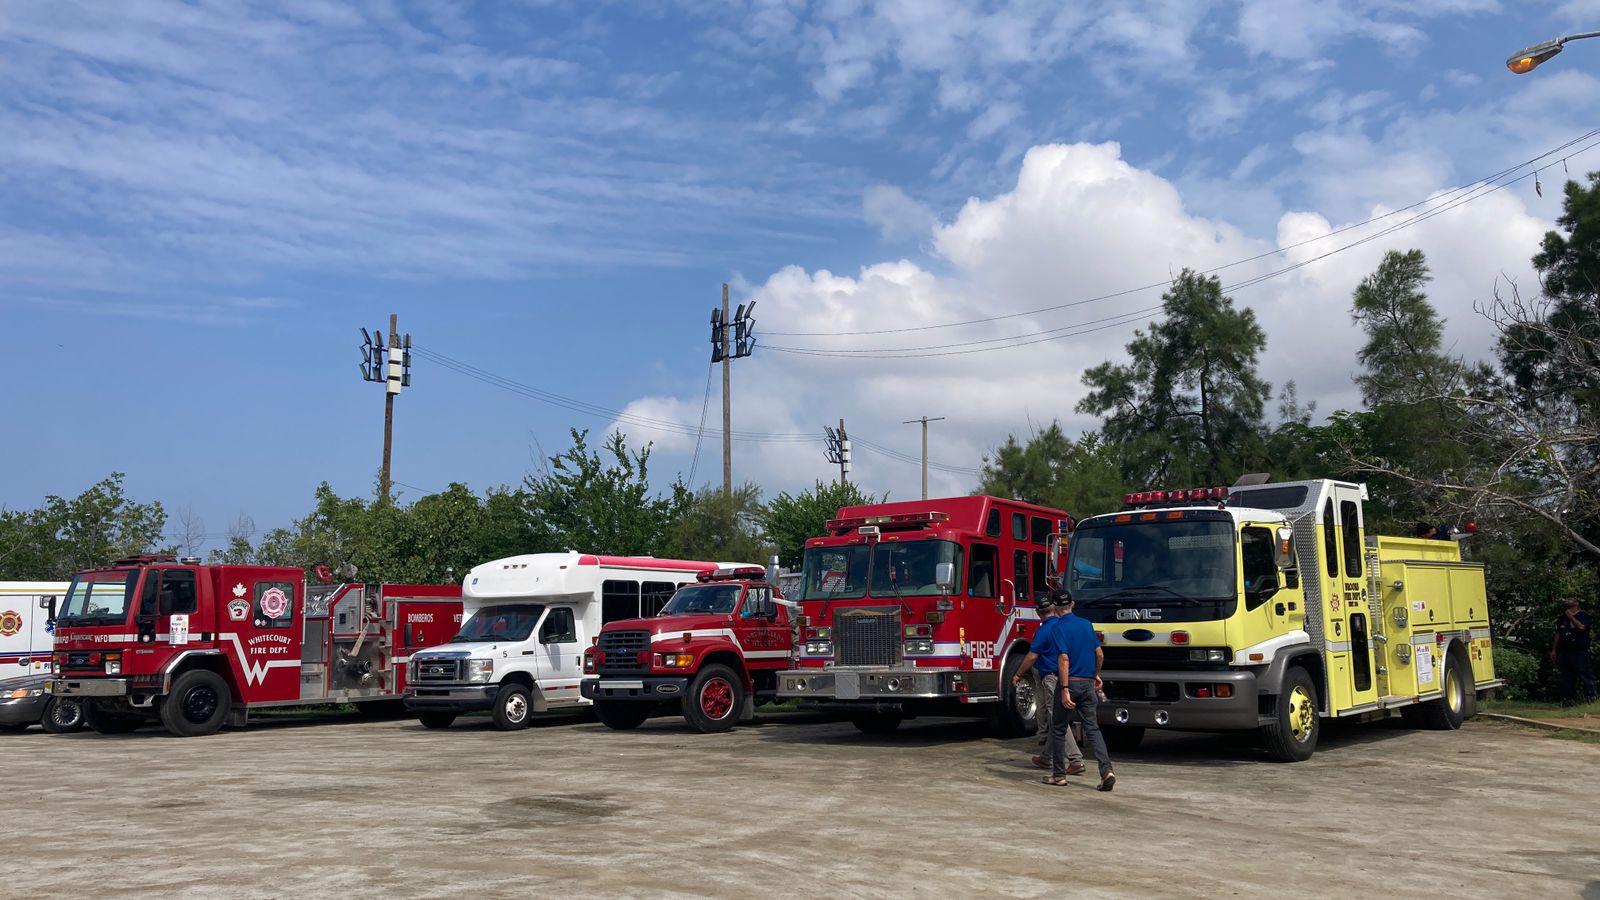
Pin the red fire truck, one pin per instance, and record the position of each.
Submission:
(713, 652)
(925, 607)
(194, 646)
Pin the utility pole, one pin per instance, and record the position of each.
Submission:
(838, 450)
(924, 420)
(387, 361)
(727, 403)
(731, 338)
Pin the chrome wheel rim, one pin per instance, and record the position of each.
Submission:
(517, 708)
(1302, 713)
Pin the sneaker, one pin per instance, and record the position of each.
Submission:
(1108, 782)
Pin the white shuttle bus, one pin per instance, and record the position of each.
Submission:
(526, 621)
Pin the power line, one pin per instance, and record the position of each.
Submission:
(699, 437)
(1468, 187)
(1023, 340)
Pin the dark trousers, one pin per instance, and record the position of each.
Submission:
(1085, 710)
(1576, 671)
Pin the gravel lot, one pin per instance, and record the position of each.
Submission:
(793, 806)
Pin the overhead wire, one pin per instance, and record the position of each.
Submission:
(699, 438)
(1445, 196)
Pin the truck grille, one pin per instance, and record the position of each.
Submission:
(1141, 691)
(622, 650)
(867, 637)
(1159, 658)
(438, 671)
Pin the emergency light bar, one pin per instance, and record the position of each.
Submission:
(733, 574)
(1191, 495)
(922, 518)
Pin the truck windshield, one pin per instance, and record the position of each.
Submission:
(910, 569)
(1184, 563)
(899, 568)
(98, 598)
(704, 598)
(513, 622)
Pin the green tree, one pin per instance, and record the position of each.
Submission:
(65, 535)
(722, 527)
(1401, 361)
(1082, 477)
(790, 519)
(1188, 406)
(598, 504)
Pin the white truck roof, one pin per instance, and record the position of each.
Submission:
(534, 575)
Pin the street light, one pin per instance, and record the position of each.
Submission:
(1529, 58)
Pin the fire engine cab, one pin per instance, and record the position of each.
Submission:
(1267, 607)
(924, 607)
(195, 646)
(713, 653)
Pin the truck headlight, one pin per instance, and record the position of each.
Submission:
(1208, 654)
(113, 663)
(480, 671)
(819, 648)
(674, 660)
(919, 647)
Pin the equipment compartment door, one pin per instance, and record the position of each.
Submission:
(266, 625)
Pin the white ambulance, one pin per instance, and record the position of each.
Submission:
(25, 647)
(526, 621)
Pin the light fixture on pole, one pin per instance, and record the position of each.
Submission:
(1529, 58)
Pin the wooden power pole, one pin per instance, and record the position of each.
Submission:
(727, 402)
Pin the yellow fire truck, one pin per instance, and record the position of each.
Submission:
(1267, 607)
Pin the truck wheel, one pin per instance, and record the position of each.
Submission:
(1017, 713)
(1447, 712)
(715, 699)
(103, 722)
(512, 707)
(62, 716)
(877, 723)
(621, 715)
(381, 709)
(1292, 737)
(1122, 738)
(197, 705)
(436, 719)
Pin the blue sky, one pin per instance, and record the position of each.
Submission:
(202, 202)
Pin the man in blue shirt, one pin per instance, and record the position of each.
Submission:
(1048, 687)
(1078, 661)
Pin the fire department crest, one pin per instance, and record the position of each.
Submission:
(274, 603)
(10, 622)
(239, 609)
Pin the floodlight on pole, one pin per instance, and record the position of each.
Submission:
(1529, 58)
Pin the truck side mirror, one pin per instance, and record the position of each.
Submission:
(945, 574)
(48, 604)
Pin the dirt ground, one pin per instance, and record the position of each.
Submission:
(793, 806)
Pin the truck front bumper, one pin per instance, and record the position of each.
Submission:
(88, 687)
(885, 684)
(451, 697)
(634, 688)
(1166, 699)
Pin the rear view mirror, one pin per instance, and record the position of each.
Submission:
(945, 575)
(1285, 549)
(48, 604)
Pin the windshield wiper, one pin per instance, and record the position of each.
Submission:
(1135, 589)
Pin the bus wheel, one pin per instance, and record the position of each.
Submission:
(1447, 712)
(715, 699)
(624, 715)
(197, 705)
(877, 723)
(63, 716)
(1017, 713)
(1292, 737)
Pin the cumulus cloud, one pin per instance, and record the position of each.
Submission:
(1079, 222)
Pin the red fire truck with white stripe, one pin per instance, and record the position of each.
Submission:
(925, 607)
(155, 638)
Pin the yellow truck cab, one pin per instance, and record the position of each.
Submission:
(1267, 607)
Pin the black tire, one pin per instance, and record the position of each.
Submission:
(1449, 711)
(1122, 738)
(197, 705)
(63, 716)
(621, 715)
(436, 719)
(715, 699)
(1292, 736)
(1017, 713)
(513, 707)
(877, 723)
(102, 721)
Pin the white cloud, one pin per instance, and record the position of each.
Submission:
(894, 213)
(1079, 222)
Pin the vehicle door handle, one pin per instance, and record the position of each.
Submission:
(1278, 608)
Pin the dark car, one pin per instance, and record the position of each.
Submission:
(23, 702)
